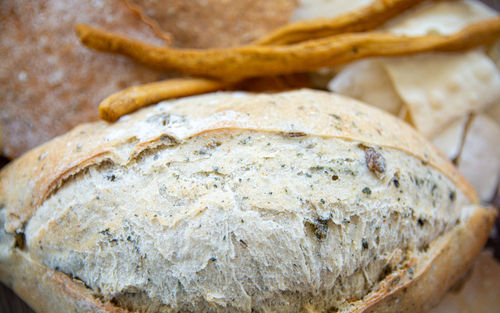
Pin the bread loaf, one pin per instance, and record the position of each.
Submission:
(301, 201)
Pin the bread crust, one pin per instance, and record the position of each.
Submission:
(46, 290)
(27, 182)
(449, 258)
(51, 77)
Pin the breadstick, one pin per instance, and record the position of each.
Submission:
(234, 64)
(134, 98)
(366, 18)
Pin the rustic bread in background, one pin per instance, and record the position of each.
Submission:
(218, 23)
(300, 202)
(50, 83)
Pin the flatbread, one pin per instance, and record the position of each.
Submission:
(450, 140)
(494, 112)
(217, 23)
(479, 160)
(311, 9)
(441, 88)
(367, 80)
(444, 17)
(50, 82)
(494, 53)
(436, 89)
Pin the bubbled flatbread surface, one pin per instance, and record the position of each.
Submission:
(51, 83)
(217, 23)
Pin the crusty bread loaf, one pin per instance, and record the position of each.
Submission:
(296, 202)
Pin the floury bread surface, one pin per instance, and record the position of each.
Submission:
(296, 202)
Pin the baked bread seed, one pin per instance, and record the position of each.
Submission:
(301, 201)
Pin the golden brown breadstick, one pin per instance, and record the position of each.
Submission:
(364, 19)
(134, 98)
(234, 64)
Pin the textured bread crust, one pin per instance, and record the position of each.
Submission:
(218, 23)
(51, 77)
(28, 182)
(46, 290)
(448, 260)
(49, 291)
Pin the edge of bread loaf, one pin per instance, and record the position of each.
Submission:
(447, 260)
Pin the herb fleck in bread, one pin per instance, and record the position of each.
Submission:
(299, 202)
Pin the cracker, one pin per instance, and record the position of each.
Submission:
(450, 140)
(367, 80)
(479, 160)
(312, 9)
(441, 88)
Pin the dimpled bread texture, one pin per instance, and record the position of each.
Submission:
(227, 218)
